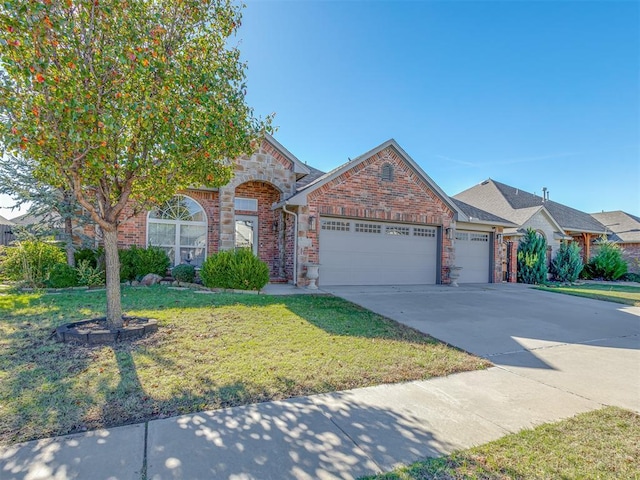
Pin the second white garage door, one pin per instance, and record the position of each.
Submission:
(356, 252)
(472, 254)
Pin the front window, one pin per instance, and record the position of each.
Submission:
(179, 227)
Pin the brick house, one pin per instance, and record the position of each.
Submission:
(623, 229)
(377, 219)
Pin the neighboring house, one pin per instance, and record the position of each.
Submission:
(623, 229)
(6, 232)
(377, 219)
(553, 220)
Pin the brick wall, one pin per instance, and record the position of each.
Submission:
(498, 253)
(361, 193)
(631, 254)
(269, 240)
(512, 258)
(134, 230)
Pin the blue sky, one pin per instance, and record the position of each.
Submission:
(531, 94)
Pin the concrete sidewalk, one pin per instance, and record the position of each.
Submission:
(333, 436)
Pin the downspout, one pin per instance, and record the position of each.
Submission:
(295, 242)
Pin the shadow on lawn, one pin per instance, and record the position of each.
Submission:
(57, 389)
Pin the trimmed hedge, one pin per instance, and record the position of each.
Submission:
(184, 273)
(236, 269)
(136, 262)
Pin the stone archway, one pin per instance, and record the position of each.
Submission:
(257, 225)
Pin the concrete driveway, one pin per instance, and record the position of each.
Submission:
(586, 347)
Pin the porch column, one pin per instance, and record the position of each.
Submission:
(227, 212)
(587, 247)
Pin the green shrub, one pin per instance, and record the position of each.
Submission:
(152, 260)
(127, 263)
(608, 263)
(567, 264)
(631, 277)
(89, 276)
(238, 269)
(94, 257)
(532, 258)
(184, 273)
(136, 262)
(62, 276)
(31, 261)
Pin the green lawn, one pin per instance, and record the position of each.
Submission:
(601, 444)
(212, 351)
(628, 295)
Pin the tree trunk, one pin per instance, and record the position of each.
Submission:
(68, 232)
(112, 269)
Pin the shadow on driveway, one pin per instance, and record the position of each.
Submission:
(584, 346)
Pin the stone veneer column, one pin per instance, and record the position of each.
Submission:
(227, 226)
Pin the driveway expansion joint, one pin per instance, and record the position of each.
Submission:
(502, 367)
(143, 471)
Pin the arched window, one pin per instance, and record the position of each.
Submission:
(179, 227)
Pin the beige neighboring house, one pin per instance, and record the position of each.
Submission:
(623, 229)
(6, 232)
(554, 221)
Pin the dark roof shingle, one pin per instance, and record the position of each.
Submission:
(625, 227)
(477, 213)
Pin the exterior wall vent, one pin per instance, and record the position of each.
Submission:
(387, 173)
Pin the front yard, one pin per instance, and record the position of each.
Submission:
(626, 294)
(600, 444)
(212, 351)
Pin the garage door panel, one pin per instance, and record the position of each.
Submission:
(473, 255)
(374, 257)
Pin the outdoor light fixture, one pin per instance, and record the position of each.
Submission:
(449, 233)
(312, 223)
(500, 238)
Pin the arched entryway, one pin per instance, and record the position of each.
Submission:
(257, 226)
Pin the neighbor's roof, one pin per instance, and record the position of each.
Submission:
(625, 227)
(4, 221)
(518, 206)
(481, 216)
(27, 219)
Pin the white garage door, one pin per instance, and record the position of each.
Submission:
(357, 252)
(472, 254)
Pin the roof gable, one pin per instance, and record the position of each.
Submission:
(300, 197)
(299, 168)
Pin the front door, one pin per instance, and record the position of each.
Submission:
(247, 232)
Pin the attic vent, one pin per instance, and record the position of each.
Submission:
(387, 173)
